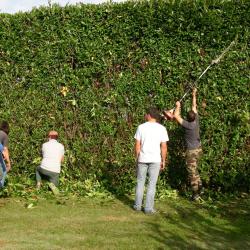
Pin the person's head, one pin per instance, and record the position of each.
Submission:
(5, 127)
(53, 135)
(191, 116)
(152, 113)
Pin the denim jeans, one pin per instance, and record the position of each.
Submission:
(153, 170)
(48, 175)
(3, 171)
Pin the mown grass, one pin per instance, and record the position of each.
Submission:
(77, 223)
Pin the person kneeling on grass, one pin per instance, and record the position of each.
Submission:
(53, 155)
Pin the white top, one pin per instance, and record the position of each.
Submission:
(53, 152)
(151, 135)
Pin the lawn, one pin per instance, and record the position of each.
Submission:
(79, 223)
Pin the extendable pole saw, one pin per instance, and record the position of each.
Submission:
(169, 114)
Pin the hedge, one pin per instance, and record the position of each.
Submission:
(89, 71)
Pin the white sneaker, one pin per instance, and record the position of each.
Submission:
(53, 188)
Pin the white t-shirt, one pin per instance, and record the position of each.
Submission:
(53, 152)
(151, 134)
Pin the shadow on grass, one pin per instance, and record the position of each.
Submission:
(188, 225)
(202, 228)
(118, 185)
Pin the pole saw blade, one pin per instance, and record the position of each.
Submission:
(215, 61)
(169, 113)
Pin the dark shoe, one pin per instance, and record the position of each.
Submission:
(197, 198)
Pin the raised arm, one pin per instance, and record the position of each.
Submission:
(177, 113)
(194, 101)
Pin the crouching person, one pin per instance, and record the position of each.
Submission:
(50, 168)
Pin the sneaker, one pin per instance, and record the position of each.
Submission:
(38, 185)
(53, 188)
(201, 190)
(153, 211)
(195, 197)
(135, 208)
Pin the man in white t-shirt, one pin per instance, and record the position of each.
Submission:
(151, 152)
(50, 168)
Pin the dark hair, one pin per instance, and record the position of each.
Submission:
(5, 127)
(154, 113)
(191, 116)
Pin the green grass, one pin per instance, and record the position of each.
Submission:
(111, 224)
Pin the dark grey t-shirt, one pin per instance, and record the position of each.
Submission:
(4, 138)
(192, 133)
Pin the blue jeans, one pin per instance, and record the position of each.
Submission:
(3, 171)
(153, 170)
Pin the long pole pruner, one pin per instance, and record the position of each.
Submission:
(169, 113)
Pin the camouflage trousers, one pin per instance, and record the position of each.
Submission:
(192, 159)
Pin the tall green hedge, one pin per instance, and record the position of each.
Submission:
(89, 71)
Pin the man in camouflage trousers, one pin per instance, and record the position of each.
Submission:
(192, 158)
(193, 144)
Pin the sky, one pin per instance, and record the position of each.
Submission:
(13, 6)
